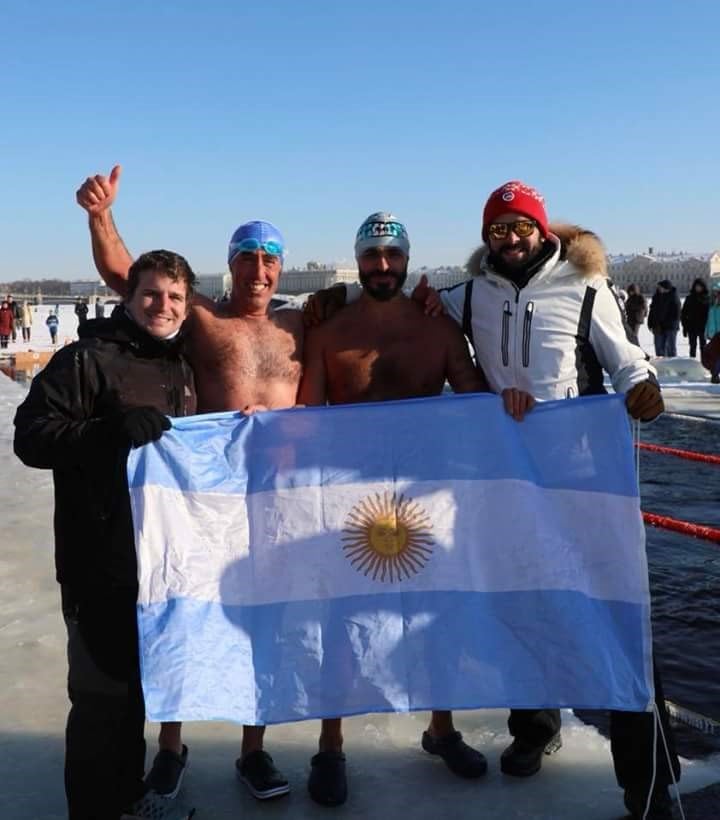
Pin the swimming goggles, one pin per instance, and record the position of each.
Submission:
(251, 245)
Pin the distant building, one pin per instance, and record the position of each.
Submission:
(213, 285)
(308, 280)
(647, 269)
(92, 287)
(443, 277)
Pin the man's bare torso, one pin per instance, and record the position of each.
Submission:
(240, 361)
(404, 355)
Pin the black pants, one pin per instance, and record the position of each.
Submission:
(631, 739)
(104, 739)
(693, 339)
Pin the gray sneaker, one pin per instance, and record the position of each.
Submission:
(153, 807)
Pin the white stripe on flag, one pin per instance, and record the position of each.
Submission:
(513, 536)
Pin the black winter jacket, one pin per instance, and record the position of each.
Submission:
(694, 312)
(68, 423)
(635, 310)
(664, 312)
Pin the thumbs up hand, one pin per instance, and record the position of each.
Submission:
(428, 298)
(98, 193)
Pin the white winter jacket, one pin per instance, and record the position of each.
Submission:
(554, 337)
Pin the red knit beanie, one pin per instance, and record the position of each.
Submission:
(516, 198)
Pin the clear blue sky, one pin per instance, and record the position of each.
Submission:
(314, 114)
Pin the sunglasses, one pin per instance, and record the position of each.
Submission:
(521, 228)
(250, 245)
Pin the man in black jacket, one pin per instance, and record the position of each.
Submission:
(81, 311)
(664, 318)
(694, 315)
(635, 312)
(97, 398)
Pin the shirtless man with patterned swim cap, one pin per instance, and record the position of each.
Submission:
(380, 348)
(245, 357)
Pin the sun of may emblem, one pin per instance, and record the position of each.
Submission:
(388, 537)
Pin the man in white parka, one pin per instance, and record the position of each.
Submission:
(540, 310)
(542, 317)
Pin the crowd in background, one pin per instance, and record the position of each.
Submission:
(16, 319)
(698, 316)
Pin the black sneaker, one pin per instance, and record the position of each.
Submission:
(168, 770)
(660, 804)
(522, 760)
(327, 783)
(257, 771)
(461, 759)
(153, 807)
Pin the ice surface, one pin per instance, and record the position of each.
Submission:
(389, 774)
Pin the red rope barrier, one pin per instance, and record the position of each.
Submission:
(673, 451)
(685, 527)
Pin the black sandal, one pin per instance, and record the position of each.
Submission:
(461, 759)
(327, 783)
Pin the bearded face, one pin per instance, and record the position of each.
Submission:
(382, 272)
(517, 248)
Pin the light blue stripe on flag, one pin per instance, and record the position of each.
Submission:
(391, 557)
(373, 441)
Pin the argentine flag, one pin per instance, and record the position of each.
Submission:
(421, 554)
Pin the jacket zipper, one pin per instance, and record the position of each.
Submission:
(175, 399)
(505, 333)
(527, 324)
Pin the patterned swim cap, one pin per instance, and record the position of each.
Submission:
(381, 229)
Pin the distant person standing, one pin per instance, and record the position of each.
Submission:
(52, 323)
(664, 318)
(711, 353)
(635, 311)
(15, 307)
(7, 323)
(99, 309)
(694, 315)
(81, 311)
(26, 321)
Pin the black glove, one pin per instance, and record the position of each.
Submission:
(644, 401)
(140, 425)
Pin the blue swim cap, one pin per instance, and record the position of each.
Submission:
(381, 229)
(252, 236)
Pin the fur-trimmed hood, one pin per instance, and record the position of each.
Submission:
(578, 246)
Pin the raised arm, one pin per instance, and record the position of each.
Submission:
(112, 259)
